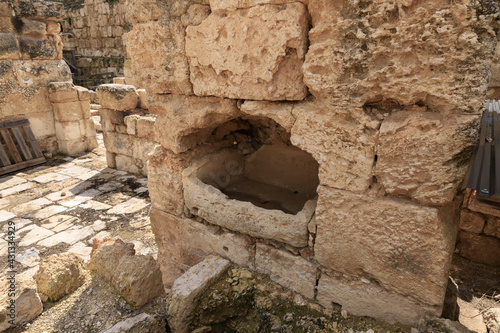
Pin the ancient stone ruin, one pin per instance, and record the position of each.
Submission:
(35, 83)
(322, 143)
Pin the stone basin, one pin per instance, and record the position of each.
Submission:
(269, 194)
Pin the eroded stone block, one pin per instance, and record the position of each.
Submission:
(9, 49)
(118, 97)
(369, 299)
(479, 248)
(62, 92)
(425, 155)
(255, 53)
(293, 272)
(154, 45)
(184, 121)
(406, 247)
(344, 150)
(183, 243)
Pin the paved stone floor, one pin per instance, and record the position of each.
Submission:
(62, 205)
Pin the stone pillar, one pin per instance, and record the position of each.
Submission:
(74, 128)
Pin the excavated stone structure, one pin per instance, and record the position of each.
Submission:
(319, 142)
(95, 31)
(31, 71)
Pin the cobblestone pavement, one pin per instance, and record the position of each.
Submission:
(61, 206)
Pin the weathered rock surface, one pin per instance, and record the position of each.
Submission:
(189, 120)
(293, 272)
(136, 277)
(27, 304)
(479, 248)
(471, 221)
(344, 150)
(154, 45)
(254, 53)
(370, 52)
(183, 243)
(59, 276)
(492, 320)
(407, 248)
(138, 324)
(369, 299)
(492, 227)
(189, 287)
(425, 155)
(280, 112)
(117, 97)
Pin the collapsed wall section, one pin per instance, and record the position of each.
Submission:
(384, 96)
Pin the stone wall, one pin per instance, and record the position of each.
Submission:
(479, 236)
(30, 59)
(127, 126)
(385, 98)
(94, 30)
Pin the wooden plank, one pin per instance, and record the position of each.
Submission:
(11, 146)
(25, 150)
(4, 159)
(32, 141)
(14, 123)
(21, 165)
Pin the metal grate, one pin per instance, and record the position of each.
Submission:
(18, 146)
(482, 175)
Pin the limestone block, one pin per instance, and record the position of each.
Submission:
(5, 10)
(406, 247)
(83, 93)
(6, 25)
(59, 275)
(43, 10)
(129, 164)
(255, 53)
(118, 143)
(119, 80)
(479, 248)
(118, 97)
(69, 130)
(425, 155)
(187, 290)
(62, 92)
(370, 299)
(53, 28)
(42, 124)
(87, 128)
(471, 221)
(492, 227)
(33, 28)
(37, 48)
(154, 45)
(39, 73)
(131, 122)
(68, 112)
(369, 53)
(85, 106)
(280, 112)
(292, 272)
(211, 204)
(9, 48)
(137, 278)
(73, 147)
(146, 127)
(344, 150)
(142, 148)
(183, 243)
(27, 302)
(165, 180)
(185, 121)
(140, 323)
(112, 117)
(217, 5)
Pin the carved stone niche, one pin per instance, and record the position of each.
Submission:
(265, 191)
